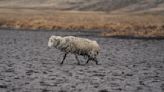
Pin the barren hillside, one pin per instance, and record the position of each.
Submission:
(138, 18)
(115, 6)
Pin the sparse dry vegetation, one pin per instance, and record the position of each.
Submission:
(115, 25)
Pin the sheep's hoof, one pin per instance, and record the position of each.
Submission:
(98, 64)
(61, 63)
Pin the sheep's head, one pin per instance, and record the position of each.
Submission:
(54, 41)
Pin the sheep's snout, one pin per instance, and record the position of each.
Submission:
(50, 43)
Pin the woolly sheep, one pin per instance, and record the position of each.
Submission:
(77, 46)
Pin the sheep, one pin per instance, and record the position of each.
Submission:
(77, 46)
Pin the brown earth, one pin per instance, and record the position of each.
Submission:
(135, 25)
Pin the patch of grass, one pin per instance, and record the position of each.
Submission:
(115, 25)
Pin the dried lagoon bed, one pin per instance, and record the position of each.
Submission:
(128, 65)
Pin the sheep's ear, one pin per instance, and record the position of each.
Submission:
(51, 40)
(58, 41)
(53, 37)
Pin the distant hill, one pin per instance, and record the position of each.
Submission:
(114, 6)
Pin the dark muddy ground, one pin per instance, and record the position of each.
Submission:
(127, 65)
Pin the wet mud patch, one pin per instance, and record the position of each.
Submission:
(26, 65)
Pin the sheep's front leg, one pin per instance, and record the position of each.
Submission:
(88, 61)
(77, 59)
(63, 58)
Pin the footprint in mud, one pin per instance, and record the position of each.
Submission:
(162, 87)
(30, 72)
(62, 91)
(10, 70)
(103, 90)
(45, 90)
(116, 86)
(4, 86)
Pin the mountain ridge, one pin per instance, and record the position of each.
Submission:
(115, 6)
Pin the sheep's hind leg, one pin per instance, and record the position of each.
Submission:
(63, 58)
(77, 59)
(95, 59)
